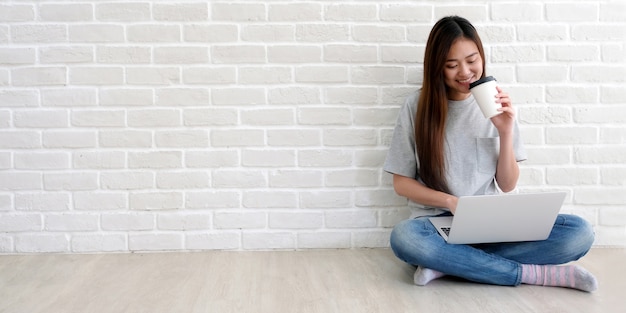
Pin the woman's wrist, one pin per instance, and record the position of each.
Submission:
(451, 202)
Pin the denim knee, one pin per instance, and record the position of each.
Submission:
(410, 241)
(397, 239)
(578, 235)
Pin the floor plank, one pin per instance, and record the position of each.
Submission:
(364, 280)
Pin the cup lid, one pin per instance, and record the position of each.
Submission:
(481, 81)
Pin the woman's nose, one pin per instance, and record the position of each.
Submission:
(464, 69)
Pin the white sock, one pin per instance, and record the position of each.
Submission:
(424, 275)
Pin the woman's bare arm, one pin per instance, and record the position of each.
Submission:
(419, 193)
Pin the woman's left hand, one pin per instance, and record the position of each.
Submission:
(504, 122)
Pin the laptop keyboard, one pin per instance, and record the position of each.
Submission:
(446, 230)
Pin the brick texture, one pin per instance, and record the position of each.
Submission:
(250, 125)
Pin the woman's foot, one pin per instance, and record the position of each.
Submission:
(568, 276)
(424, 275)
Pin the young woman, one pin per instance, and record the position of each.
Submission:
(443, 148)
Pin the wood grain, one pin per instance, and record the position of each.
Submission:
(367, 280)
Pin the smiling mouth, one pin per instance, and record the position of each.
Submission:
(466, 82)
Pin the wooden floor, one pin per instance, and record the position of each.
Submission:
(368, 280)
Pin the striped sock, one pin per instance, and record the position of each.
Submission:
(568, 276)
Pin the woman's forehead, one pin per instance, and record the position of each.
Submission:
(460, 49)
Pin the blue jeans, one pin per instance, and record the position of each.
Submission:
(417, 242)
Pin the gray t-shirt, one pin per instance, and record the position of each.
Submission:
(471, 150)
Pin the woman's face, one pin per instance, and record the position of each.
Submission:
(463, 66)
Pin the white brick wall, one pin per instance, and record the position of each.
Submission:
(169, 125)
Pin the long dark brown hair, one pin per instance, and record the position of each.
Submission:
(432, 106)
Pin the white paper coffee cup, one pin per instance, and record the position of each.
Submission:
(484, 91)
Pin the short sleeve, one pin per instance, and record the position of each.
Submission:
(401, 157)
(518, 145)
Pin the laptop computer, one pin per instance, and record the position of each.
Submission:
(501, 218)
